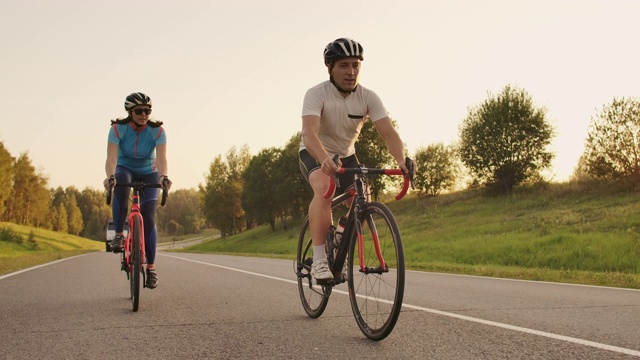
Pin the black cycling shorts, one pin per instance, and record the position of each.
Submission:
(308, 165)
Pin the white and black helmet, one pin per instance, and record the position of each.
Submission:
(136, 99)
(342, 48)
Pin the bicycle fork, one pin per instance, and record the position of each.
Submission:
(383, 268)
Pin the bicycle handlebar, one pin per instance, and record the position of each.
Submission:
(408, 178)
(139, 185)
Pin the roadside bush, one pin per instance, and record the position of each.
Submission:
(32, 241)
(9, 235)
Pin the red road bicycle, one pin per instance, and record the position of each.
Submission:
(371, 241)
(133, 255)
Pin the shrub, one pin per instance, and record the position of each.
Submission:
(9, 235)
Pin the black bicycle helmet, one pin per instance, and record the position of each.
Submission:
(342, 48)
(136, 99)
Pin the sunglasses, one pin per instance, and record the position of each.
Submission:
(140, 111)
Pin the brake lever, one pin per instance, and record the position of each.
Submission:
(336, 158)
(411, 168)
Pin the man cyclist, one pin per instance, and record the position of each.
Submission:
(333, 114)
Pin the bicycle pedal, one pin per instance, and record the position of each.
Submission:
(331, 282)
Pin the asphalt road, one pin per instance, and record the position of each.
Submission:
(224, 307)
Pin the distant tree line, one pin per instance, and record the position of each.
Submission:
(504, 142)
(26, 199)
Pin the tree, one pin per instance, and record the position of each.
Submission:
(221, 193)
(612, 148)
(74, 214)
(30, 201)
(258, 196)
(372, 151)
(6, 178)
(173, 228)
(59, 218)
(438, 168)
(504, 141)
(95, 213)
(183, 209)
(291, 188)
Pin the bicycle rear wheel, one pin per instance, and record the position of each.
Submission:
(135, 262)
(376, 293)
(314, 297)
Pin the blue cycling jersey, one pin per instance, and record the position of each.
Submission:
(137, 147)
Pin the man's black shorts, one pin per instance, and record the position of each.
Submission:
(308, 165)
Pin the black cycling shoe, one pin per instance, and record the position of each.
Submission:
(117, 244)
(152, 279)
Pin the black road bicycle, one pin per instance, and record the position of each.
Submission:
(371, 248)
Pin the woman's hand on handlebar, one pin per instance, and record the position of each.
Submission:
(165, 182)
(109, 182)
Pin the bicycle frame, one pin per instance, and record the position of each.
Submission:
(128, 243)
(353, 227)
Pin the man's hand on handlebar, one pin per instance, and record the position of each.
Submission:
(409, 168)
(331, 165)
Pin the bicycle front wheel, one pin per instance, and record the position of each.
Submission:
(376, 289)
(314, 297)
(135, 262)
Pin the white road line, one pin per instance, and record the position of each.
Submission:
(528, 331)
(38, 266)
(453, 315)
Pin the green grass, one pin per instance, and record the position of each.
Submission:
(563, 233)
(51, 246)
(261, 241)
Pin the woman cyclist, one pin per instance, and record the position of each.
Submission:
(137, 151)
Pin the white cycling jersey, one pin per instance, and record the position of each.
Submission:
(341, 118)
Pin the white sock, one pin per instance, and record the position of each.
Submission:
(319, 252)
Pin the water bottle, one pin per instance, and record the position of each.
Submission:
(338, 236)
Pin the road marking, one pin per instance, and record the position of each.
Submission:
(528, 331)
(38, 266)
(453, 315)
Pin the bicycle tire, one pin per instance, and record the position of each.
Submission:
(136, 262)
(376, 297)
(314, 297)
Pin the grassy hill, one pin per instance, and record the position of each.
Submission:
(39, 246)
(578, 233)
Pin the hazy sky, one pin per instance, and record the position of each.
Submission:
(224, 73)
